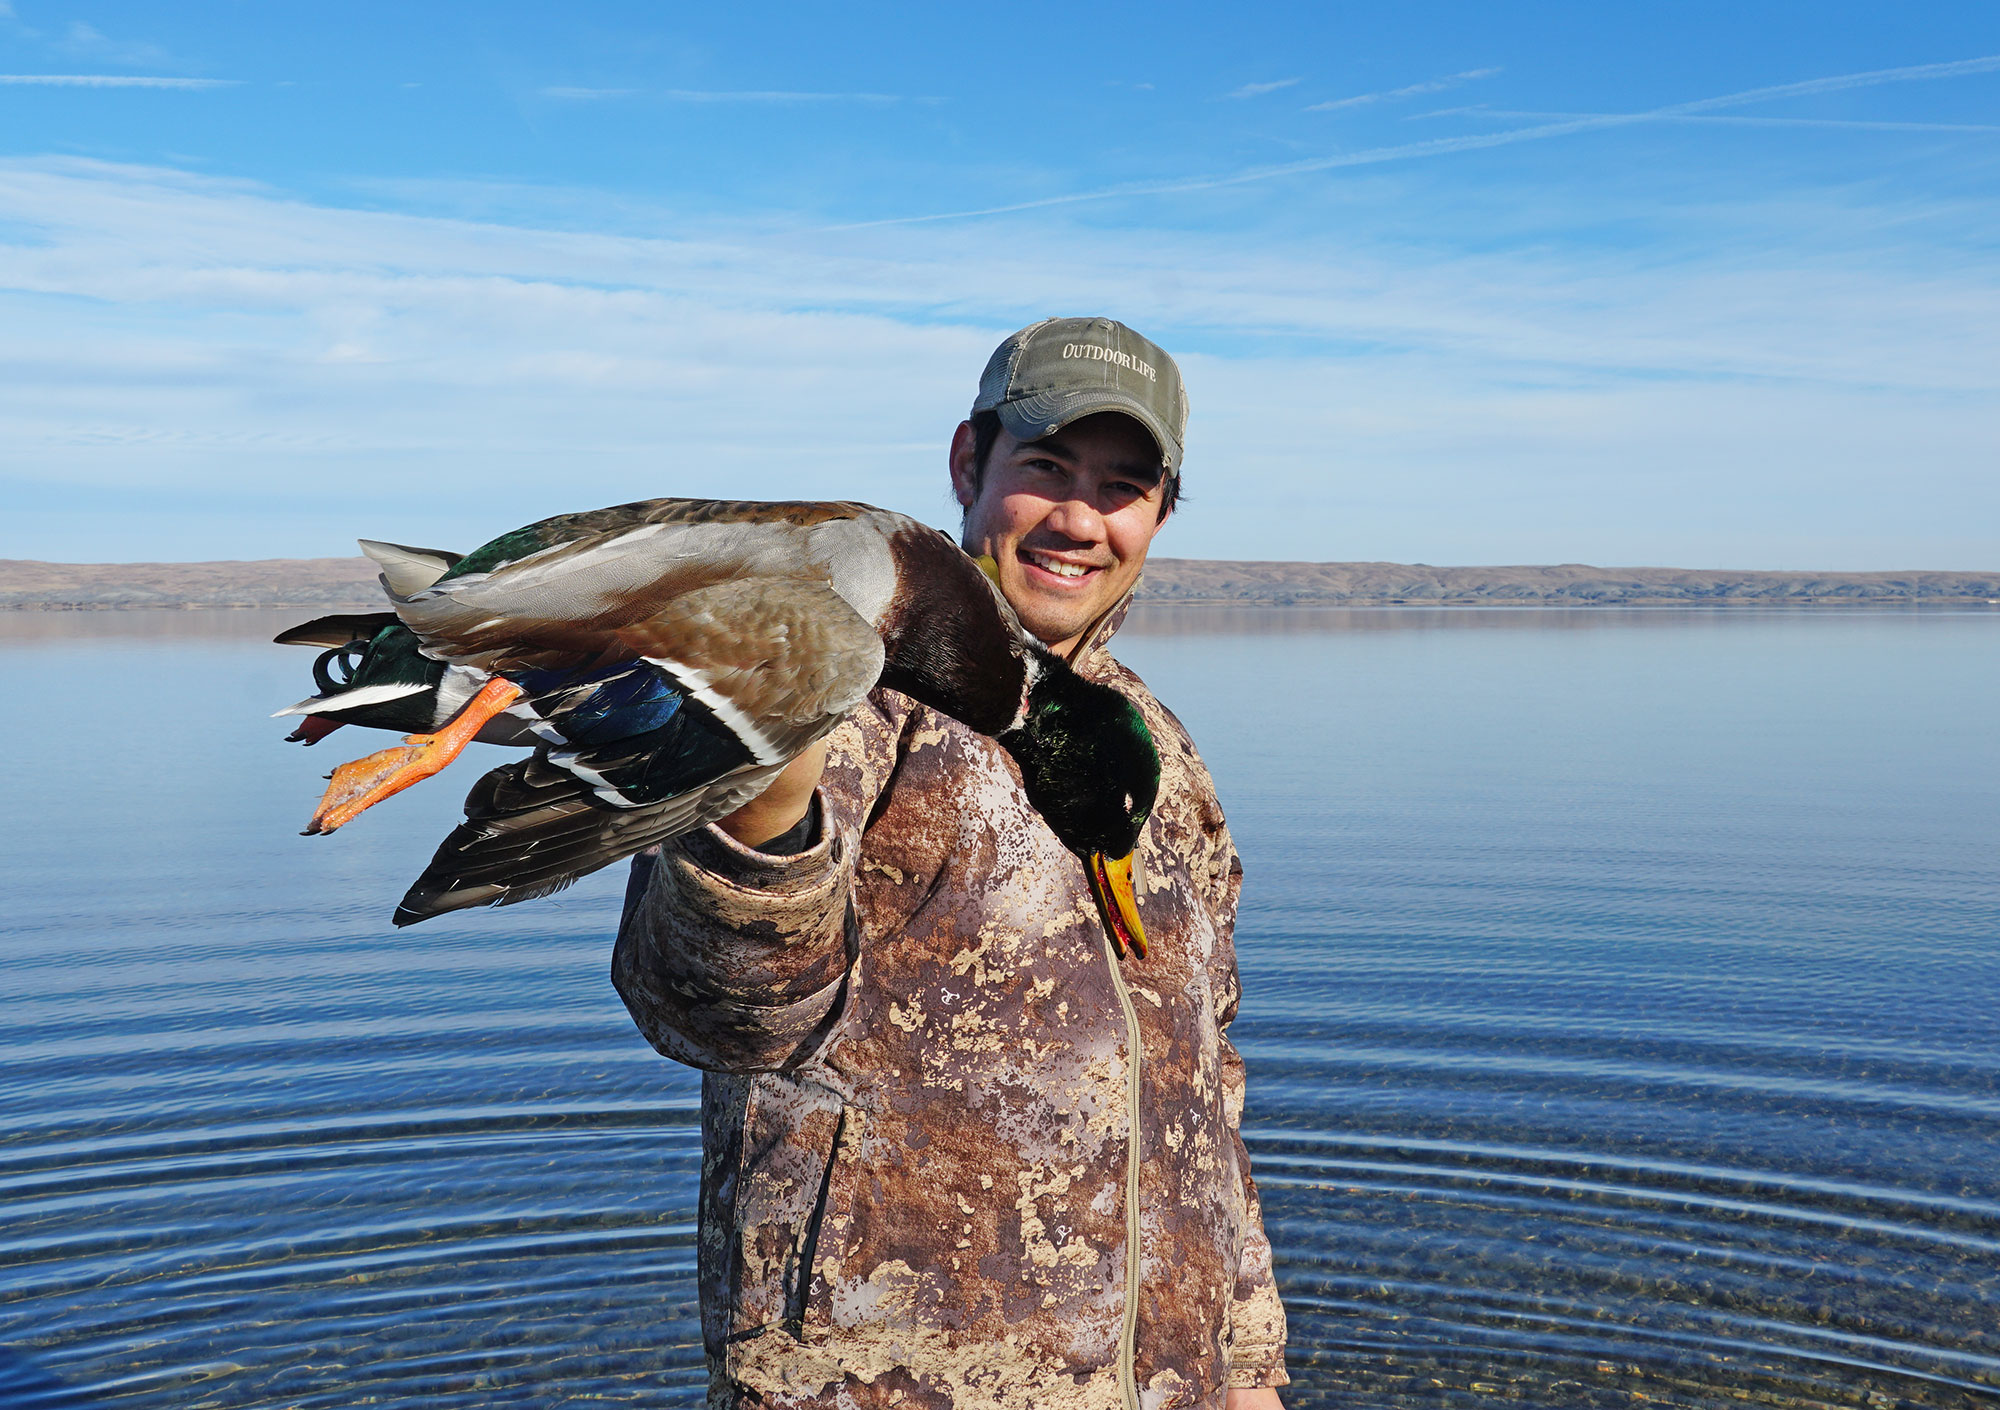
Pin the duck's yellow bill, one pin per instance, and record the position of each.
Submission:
(1111, 883)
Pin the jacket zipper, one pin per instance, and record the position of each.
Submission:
(1128, 1334)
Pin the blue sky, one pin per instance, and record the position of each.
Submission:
(1705, 285)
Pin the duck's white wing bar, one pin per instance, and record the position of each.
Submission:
(350, 699)
(702, 686)
(777, 661)
(570, 762)
(539, 727)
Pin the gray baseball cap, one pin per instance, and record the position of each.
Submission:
(1061, 369)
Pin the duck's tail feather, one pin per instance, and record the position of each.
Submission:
(531, 829)
(405, 569)
(337, 630)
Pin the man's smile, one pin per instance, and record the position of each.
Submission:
(1066, 572)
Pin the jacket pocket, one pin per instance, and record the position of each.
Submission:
(791, 1137)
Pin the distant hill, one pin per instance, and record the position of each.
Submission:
(1205, 580)
(332, 584)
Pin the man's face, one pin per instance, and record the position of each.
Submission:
(1068, 518)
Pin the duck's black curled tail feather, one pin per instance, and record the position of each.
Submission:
(337, 630)
(532, 828)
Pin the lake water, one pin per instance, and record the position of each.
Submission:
(1621, 1020)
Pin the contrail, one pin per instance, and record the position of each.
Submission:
(1414, 90)
(1914, 72)
(1741, 119)
(1444, 146)
(111, 80)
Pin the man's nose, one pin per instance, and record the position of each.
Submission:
(1078, 519)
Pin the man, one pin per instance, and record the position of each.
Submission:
(958, 1151)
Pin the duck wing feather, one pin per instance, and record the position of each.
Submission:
(778, 660)
(564, 605)
(767, 666)
(532, 829)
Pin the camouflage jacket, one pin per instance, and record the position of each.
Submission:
(923, 1183)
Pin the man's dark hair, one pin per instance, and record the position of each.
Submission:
(986, 432)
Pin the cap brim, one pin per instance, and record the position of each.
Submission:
(1041, 414)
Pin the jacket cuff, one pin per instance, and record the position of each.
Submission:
(731, 924)
(1267, 1374)
(1257, 1336)
(748, 868)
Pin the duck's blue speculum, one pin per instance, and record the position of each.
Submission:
(599, 705)
(633, 731)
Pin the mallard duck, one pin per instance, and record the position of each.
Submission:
(668, 658)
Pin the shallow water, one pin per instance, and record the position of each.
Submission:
(1619, 1015)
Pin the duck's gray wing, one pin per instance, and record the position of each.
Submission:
(513, 603)
(777, 660)
(766, 668)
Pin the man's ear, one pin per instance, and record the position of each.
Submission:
(964, 469)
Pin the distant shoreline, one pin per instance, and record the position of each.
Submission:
(346, 584)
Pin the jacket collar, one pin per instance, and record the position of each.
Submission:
(1093, 652)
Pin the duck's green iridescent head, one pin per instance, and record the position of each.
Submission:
(1090, 767)
(393, 656)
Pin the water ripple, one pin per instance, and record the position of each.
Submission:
(1617, 1015)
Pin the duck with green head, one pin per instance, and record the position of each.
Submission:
(1089, 765)
(668, 658)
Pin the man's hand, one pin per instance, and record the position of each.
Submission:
(777, 810)
(1261, 1399)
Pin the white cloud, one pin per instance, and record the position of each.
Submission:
(86, 40)
(111, 80)
(1258, 90)
(195, 367)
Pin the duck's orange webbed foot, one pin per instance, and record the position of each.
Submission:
(360, 785)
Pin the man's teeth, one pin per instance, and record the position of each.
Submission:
(1057, 566)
